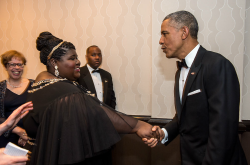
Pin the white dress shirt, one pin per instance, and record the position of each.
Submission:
(184, 71)
(182, 80)
(96, 77)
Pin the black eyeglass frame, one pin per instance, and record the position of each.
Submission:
(12, 65)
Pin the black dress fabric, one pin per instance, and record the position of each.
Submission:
(72, 127)
(11, 102)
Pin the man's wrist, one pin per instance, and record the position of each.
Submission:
(165, 139)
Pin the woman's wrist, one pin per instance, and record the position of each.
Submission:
(3, 128)
(17, 130)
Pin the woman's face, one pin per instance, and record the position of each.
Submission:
(69, 65)
(15, 68)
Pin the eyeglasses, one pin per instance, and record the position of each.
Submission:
(12, 65)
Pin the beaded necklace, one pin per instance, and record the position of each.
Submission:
(13, 86)
(46, 82)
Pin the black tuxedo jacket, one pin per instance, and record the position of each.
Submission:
(207, 121)
(108, 93)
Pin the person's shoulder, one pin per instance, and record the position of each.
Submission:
(215, 61)
(83, 67)
(55, 87)
(66, 86)
(2, 84)
(84, 70)
(215, 58)
(104, 71)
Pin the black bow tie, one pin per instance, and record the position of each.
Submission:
(181, 63)
(97, 70)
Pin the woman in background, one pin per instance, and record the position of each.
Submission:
(13, 93)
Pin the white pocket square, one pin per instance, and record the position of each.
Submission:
(194, 92)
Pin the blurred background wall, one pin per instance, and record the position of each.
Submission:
(128, 33)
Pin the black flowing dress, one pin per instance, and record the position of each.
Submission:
(11, 102)
(70, 126)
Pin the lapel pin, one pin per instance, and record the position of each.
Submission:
(192, 73)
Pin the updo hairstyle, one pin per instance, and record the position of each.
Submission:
(7, 56)
(46, 42)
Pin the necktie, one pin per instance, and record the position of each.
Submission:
(96, 70)
(181, 63)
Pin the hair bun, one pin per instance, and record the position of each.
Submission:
(45, 43)
(43, 40)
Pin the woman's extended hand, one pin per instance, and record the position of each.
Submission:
(18, 114)
(144, 130)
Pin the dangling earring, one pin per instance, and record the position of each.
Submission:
(56, 71)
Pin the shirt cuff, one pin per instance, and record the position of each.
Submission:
(165, 139)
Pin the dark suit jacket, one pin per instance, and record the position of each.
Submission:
(208, 121)
(108, 93)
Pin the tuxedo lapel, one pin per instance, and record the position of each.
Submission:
(193, 73)
(190, 79)
(177, 94)
(88, 80)
(105, 85)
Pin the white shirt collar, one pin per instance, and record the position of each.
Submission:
(190, 57)
(90, 68)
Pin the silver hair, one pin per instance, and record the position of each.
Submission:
(183, 18)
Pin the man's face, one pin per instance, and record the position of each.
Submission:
(94, 57)
(171, 40)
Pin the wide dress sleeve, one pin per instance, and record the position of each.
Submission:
(77, 126)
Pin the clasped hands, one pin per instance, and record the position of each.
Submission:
(158, 135)
(150, 135)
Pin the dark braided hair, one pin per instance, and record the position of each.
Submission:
(46, 42)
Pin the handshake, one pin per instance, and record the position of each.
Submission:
(149, 134)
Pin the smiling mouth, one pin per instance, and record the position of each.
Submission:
(77, 69)
(16, 73)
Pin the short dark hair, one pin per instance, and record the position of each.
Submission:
(87, 50)
(7, 56)
(184, 18)
(45, 42)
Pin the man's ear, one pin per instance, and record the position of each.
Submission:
(185, 32)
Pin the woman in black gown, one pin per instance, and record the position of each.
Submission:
(68, 125)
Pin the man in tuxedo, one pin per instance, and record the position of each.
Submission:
(96, 80)
(207, 96)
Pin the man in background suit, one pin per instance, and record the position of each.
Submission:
(207, 96)
(95, 79)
